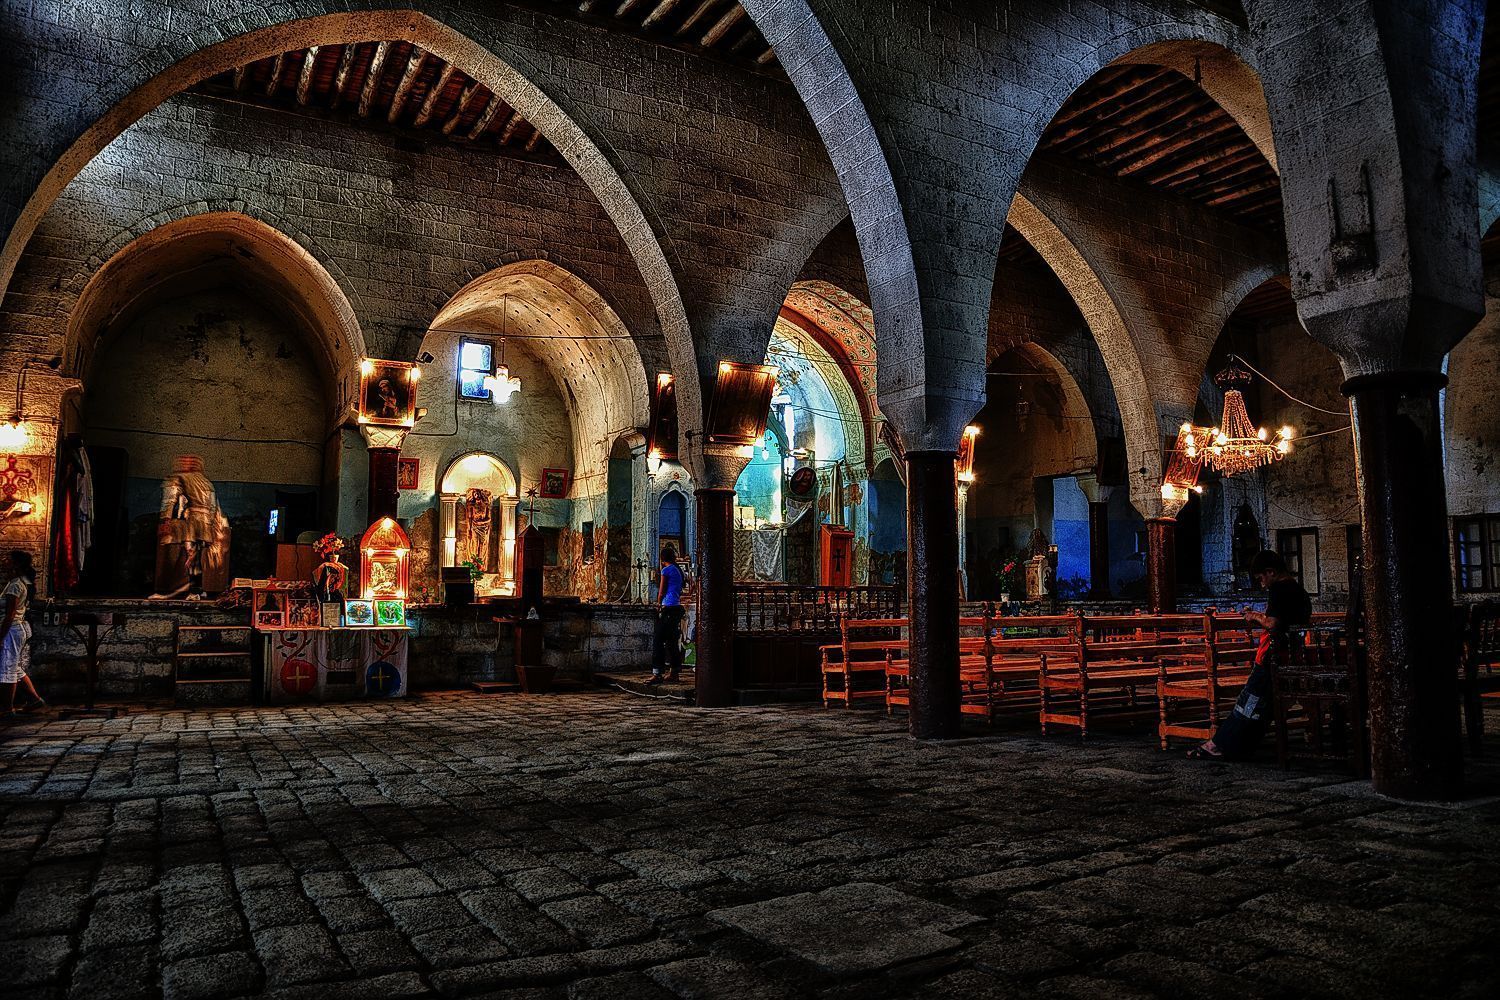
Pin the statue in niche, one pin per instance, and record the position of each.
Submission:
(193, 536)
(479, 512)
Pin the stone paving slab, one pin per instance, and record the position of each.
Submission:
(598, 845)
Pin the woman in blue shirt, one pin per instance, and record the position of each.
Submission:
(667, 648)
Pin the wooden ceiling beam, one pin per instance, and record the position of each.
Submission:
(716, 34)
(275, 79)
(698, 14)
(766, 58)
(372, 78)
(1100, 92)
(1135, 119)
(1128, 108)
(408, 79)
(535, 140)
(461, 106)
(304, 78)
(661, 10)
(626, 6)
(508, 132)
(241, 74)
(1162, 149)
(490, 111)
(429, 103)
(341, 75)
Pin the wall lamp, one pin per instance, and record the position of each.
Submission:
(13, 433)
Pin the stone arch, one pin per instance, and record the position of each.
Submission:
(212, 52)
(190, 248)
(569, 326)
(818, 71)
(1117, 343)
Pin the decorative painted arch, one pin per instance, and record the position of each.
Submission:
(569, 326)
(226, 43)
(843, 328)
(209, 246)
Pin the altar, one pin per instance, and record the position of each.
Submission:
(333, 664)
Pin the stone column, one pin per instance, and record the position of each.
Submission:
(1098, 497)
(384, 444)
(714, 677)
(1161, 564)
(932, 586)
(1409, 640)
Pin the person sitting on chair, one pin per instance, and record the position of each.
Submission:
(1287, 605)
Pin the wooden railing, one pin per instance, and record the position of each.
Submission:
(781, 608)
(779, 629)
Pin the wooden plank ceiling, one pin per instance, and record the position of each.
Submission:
(1153, 126)
(717, 26)
(391, 82)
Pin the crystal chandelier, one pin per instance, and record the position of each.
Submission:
(1236, 445)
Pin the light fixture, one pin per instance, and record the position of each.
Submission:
(14, 434)
(966, 454)
(502, 385)
(653, 461)
(1236, 445)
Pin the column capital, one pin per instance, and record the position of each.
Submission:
(384, 437)
(1093, 489)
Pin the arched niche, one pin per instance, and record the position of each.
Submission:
(477, 500)
(1036, 431)
(219, 336)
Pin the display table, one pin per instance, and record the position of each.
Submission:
(333, 664)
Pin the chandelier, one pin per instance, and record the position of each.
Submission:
(502, 385)
(1236, 445)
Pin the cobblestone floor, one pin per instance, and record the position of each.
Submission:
(599, 846)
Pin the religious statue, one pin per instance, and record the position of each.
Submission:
(193, 535)
(478, 514)
(331, 574)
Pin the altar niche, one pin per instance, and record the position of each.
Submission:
(477, 520)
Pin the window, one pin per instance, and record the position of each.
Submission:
(588, 541)
(476, 363)
(1299, 547)
(1476, 541)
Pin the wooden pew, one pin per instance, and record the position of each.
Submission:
(1114, 658)
(975, 697)
(1232, 643)
(861, 653)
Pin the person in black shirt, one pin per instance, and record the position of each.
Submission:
(1287, 605)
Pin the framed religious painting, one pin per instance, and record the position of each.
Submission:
(554, 484)
(269, 607)
(358, 614)
(388, 392)
(390, 614)
(407, 472)
(303, 612)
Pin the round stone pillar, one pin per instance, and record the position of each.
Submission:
(1410, 640)
(1161, 564)
(932, 593)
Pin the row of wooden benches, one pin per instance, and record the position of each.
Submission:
(1064, 667)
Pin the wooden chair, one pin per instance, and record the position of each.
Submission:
(1320, 672)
